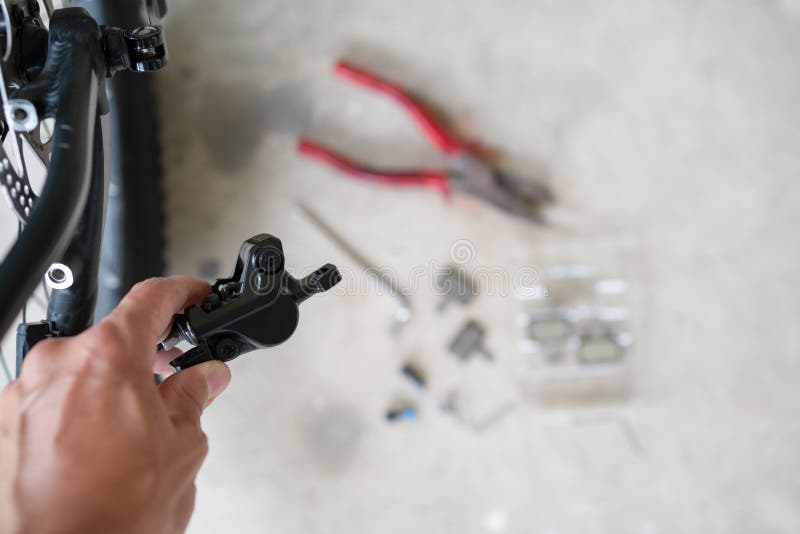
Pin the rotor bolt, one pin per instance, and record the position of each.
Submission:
(22, 114)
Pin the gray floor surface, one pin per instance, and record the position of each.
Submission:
(672, 127)
(670, 135)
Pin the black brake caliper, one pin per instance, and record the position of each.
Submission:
(257, 307)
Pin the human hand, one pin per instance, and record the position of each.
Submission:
(88, 442)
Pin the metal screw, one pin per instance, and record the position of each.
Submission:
(59, 276)
(227, 350)
(22, 114)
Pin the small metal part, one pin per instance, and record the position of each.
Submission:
(180, 331)
(414, 374)
(402, 315)
(386, 285)
(23, 115)
(170, 342)
(472, 174)
(59, 276)
(402, 413)
(469, 340)
(452, 405)
(455, 286)
(146, 49)
(140, 50)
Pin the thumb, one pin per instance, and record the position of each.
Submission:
(187, 393)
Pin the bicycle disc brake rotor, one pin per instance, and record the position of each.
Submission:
(26, 138)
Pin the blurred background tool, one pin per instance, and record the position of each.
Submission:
(469, 340)
(453, 405)
(402, 413)
(456, 286)
(467, 171)
(385, 285)
(499, 414)
(414, 375)
(577, 324)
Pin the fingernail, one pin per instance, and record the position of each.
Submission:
(218, 376)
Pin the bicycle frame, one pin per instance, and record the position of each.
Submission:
(66, 222)
(62, 76)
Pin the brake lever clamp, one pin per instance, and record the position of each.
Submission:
(257, 307)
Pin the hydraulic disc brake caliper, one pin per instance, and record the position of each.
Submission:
(256, 308)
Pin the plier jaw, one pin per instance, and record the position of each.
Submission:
(467, 171)
(472, 175)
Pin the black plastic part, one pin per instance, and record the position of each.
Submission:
(257, 307)
(116, 50)
(140, 50)
(190, 358)
(28, 335)
(32, 46)
(319, 281)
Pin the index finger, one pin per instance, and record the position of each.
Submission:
(147, 310)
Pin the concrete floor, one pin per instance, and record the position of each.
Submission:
(671, 126)
(670, 133)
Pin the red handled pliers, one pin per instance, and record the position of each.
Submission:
(467, 171)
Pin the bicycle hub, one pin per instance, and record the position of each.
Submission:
(257, 307)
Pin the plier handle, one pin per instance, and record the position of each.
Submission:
(436, 133)
(467, 171)
(432, 179)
